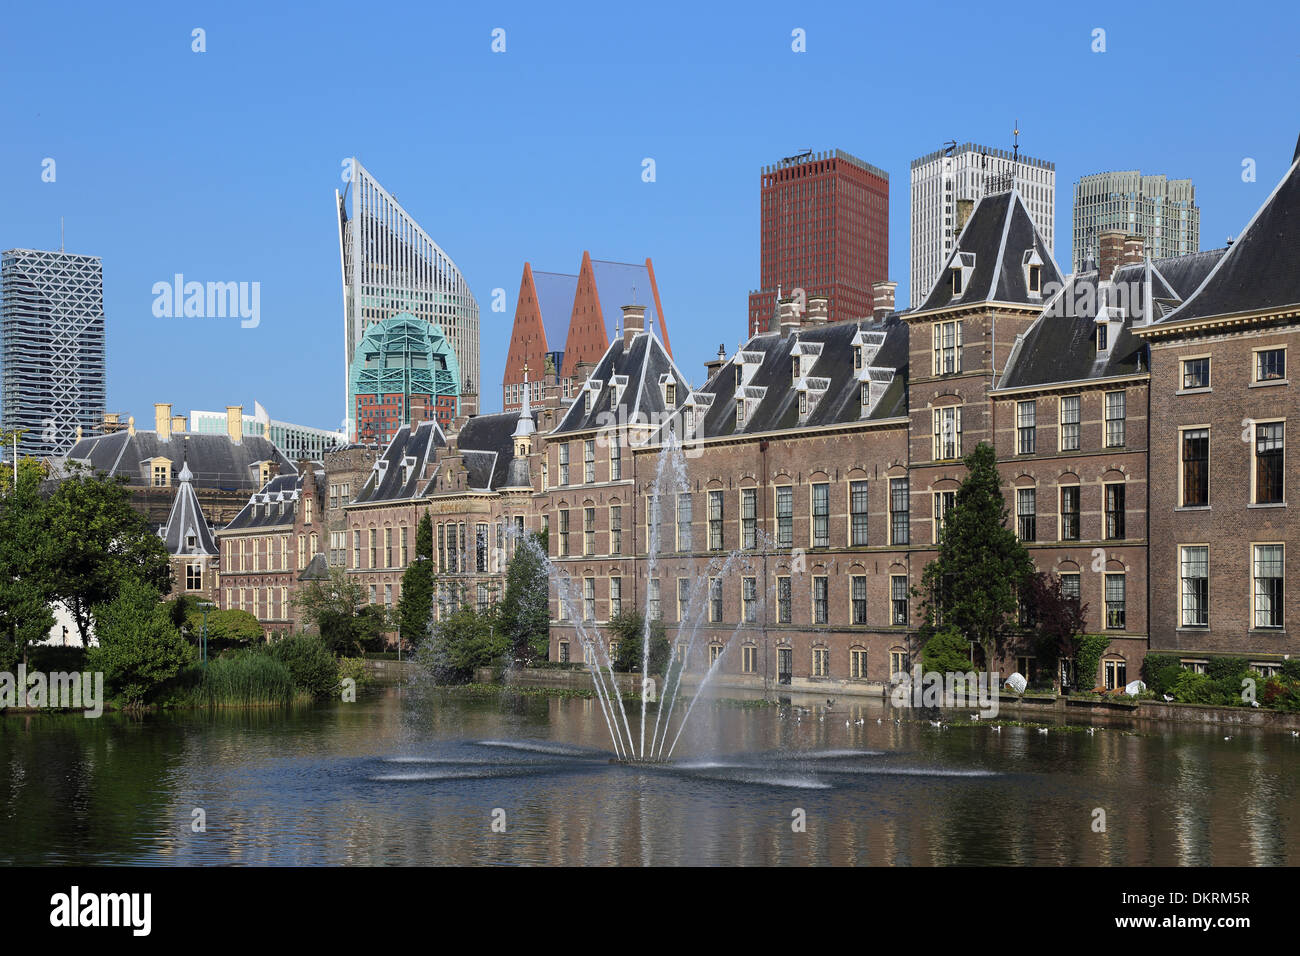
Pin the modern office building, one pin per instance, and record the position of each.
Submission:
(1162, 211)
(948, 182)
(404, 371)
(825, 230)
(391, 266)
(296, 441)
(52, 366)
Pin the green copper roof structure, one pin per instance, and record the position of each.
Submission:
(403, 355)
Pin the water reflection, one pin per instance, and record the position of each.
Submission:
(410, 779)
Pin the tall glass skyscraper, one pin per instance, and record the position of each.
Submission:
(52, 369)
(1162, 211)
(391, 266)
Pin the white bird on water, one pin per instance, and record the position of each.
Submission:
(1227, 738)
(1042, 730)
(1295, 733)
(997, 728)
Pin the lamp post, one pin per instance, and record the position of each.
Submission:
(205, 607)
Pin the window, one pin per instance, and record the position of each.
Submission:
(748, 517)
(1103, 336)
(615, 460)
(715, 600)
(388, 547)
(1035, 279)
(749, 599)
(1027, 513)
(715, 652)
(1196, 373)
(388, 595)
(356, 548)
(564, 532)
(683, 598)
(652, 599)
(161, 475)
(858, 598)
(1270, 365)
(615, 597)
(1070, 423)
(616, 529)
(943, 503)
(899, 531)
(564, 464)
(715, 520)
(1069, 512)
(857, 664)
(783, 600)
(589, 460)
(588, 599)
(442, 550)
(194, 576)
(821, 662)
(1070, 586)
(564, 652)
(684, 518)
(1115, 510)
(749, 659)
(956, 281)
(373, 537)
(1268, 585)
(1115, 604)
(588, 532)
(819, 593)
(404, 550)
(1026, 427)
(898, 599)
(306, 513)
(857, 512)
(785, 517)
(821, 515)
(1115, 419)
(1268, 463)
(670, 394)
(1196, 467)
(947, 432)
(897, 662)
(1195, 560)
(947, 341)
(1116, 673)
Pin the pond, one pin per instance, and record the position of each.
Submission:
(402, 777)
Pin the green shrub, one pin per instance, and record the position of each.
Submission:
(312, 666)
(947, 652)
(356, 669)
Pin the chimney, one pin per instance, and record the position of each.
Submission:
(883, 305)
(633, 323)
(469, 405)
(788, 316)
(178, 424)
(235, 423)
(1110, 254)
(818, 310)
(964, 208)
(713, 367)
(1132, 250)
(162, 420)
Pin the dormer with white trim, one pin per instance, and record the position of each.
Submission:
(747, 400)
(865, 346)
(959, 272)
(874, 386)
(1032, 264)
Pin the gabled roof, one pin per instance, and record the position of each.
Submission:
(1261, 270)
(995, 246)
(1061, 345)
(215, 461)
(487, 444)
(631, 383)
(317, 569)
(275, 504)
(186, 531)
(830, 348)
(401, 472)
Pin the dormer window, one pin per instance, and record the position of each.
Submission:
(857, 356)
(803, 403)
(956, 280)
(1103, 336)
(740, 413)
(738, 375)
(190, 541)
(587, 402)
(670, 394)
(794, 369)
(1035, 280)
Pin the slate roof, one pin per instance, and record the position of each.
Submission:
(215, 461)
(414, 446)
(1261, 270)
(317, 569)
(1061, 345)
(840, 398)
(487, 444)
(996, 240)
(636, 373)
(187, 532)
(275, 504)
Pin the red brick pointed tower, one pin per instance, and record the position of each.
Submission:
(588, 338)
(527, 341)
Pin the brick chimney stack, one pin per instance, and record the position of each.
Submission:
(633, 323)
(788, 316)
(1133, 247)
(162, 420)
(883, 305)
(818, 310)
(1110, 254)
(714, 366)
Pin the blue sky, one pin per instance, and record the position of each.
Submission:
(222, 165)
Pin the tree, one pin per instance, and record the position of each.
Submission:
(139, 648)
(93, 542)
(461, 642)
(338, 609)
(975, 582)
(25, 587)
(1058, 618)
(946, 652)
(524, 612)
(229, 628)
(415, 609)
(628, 628)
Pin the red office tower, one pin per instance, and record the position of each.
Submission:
(825, 222)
